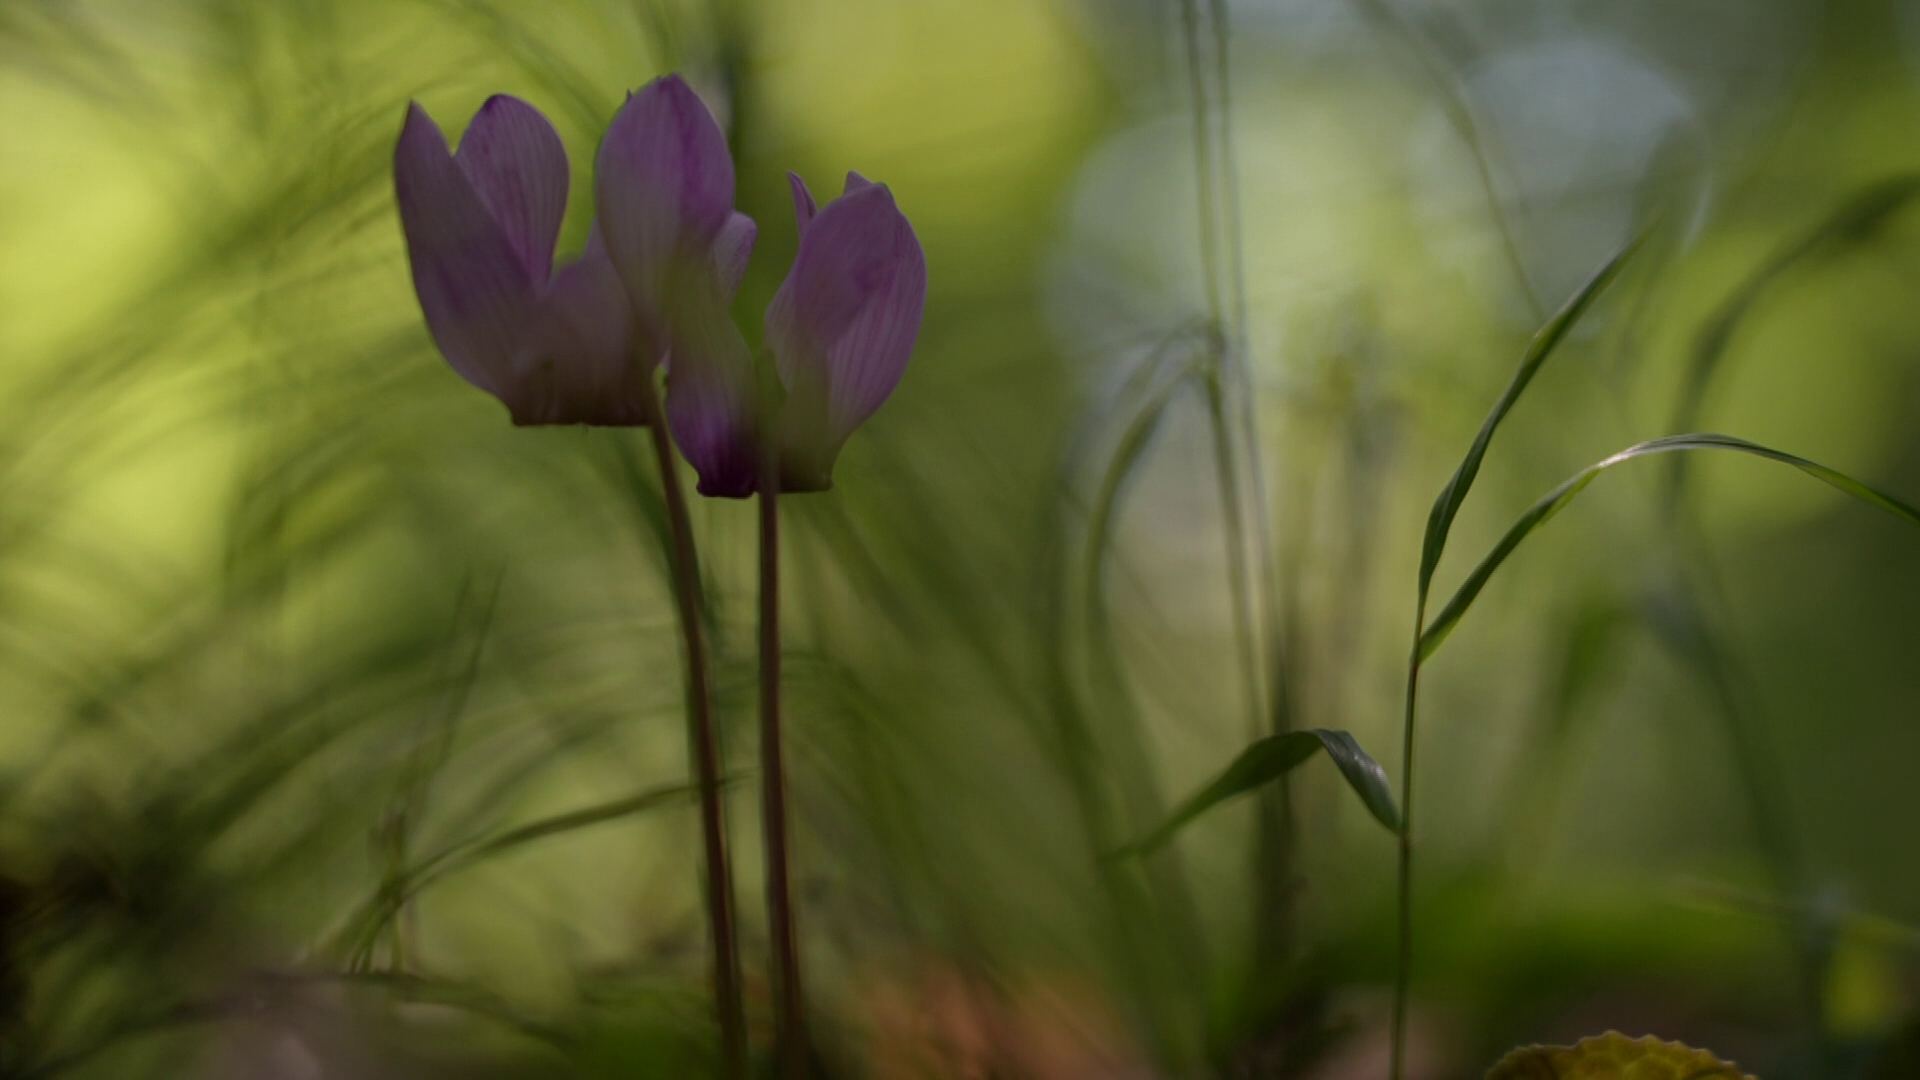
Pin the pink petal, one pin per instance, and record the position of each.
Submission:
(664, 186)
(803, 206)
(843, 326)
(867, 362)
(844, 259)
(474, 288)
(518, 167)
(855, 182)
(581, 367)
(711, 395)
(732, 250)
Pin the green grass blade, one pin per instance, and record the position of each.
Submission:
(381, 908)
(1128, 455)
(1440, 520)
(1856, 223)
(1853, 224)
(1538, 515)
(1273, 757)
(1363, 774)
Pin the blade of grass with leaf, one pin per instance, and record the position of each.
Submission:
(1439, 523)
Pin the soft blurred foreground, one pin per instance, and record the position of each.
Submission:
(341, 722)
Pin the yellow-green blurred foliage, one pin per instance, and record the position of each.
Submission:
(292, 619)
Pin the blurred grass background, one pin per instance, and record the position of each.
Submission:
(295, 625)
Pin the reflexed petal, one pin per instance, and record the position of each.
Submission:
(580, 368)
(711, 395)
(845, 257)
(518, 167)
(803, 206)
(843, 326)
(866, 363)
(664, 186)
(474, 289)
(732, 251)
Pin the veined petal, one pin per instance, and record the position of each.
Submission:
(518, 167)
(474, 289)
(732, 250)
(580, 367)
(845, 257)
(664, 187)
(843, 327)
(711, 395)
(866, 363)
(803, 205)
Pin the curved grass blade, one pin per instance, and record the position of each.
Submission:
(1436, 632)
(1859, 221)
(1172, 365)
(1273, 757)
(380, 909)
(1854, 223)
(1440, 520)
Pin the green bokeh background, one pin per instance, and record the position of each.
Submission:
(286, 607)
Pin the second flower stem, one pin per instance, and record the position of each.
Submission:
(705, 742)
(793, 1040)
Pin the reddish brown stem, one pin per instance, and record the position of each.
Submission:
(793, 1041)
(705, 741)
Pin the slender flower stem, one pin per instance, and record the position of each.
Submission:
(773, 792)
(1403, 967)
(705, 742)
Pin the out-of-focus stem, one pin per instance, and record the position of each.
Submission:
(1254, 579)
(705, 741)
(1453, 101)
(793, 1041)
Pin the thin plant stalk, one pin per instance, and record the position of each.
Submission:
(792, 1042)
(1254, 578)
(1454, 103)
(1403, 901)
(1226, 471)
(1241, 376)
(1439, 523)
(705, 742)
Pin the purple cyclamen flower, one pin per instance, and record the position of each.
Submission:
(481, 224)
(843, 323)
(840, 331)
(664, 184)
